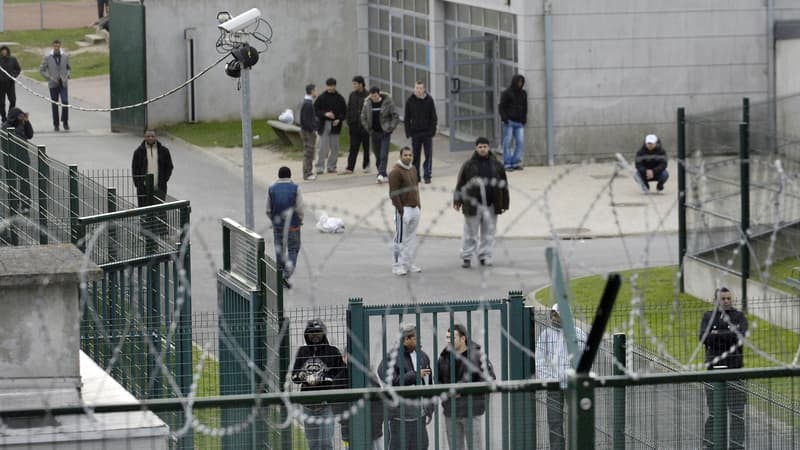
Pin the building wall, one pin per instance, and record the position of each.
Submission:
(312, 40)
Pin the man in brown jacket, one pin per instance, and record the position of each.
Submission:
(404, 193)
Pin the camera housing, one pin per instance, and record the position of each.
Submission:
(241, 22)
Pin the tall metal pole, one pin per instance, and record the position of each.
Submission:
(744, 175)
(247, 150)
(41, 14)
(681, 192)
(548, 83)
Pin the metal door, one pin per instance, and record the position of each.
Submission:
(473, 91)
(128, 63)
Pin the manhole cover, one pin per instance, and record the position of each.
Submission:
(573, 233)
(628, 204)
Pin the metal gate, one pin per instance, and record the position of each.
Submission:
(128, 65)
(473, 93)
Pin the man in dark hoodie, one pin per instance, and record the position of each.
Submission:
(331, 110)
(319, 366)
(462, 361)
(410, 366)
(404, 193)
(18, 120)
(358, 135)
(651, 163)
(7, 88)
(481, 194)
(379, 117)
(151, 157)
(514, 114)
(420, 123)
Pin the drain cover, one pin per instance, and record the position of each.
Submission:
(628, 204)
(573, 233)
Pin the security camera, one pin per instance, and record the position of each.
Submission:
(241, 22)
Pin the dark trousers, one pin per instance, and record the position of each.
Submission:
(287, 247)
(7, 90)
(412, 438)
(660, 178)
(380, 147)
(101, 8)
(555, 419)
(358, 139)
(55, 93)
(417, 144)
(733, 400)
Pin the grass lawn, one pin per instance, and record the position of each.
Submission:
(229, 134)
(673, 320)
(45, 1)
(779, 272)
(34, 44)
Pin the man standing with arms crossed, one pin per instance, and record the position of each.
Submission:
(404, 193)
(722, 331)
(420, 124)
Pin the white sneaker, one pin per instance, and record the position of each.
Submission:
(399, 271)
(415, 269)
(379, 179)
(311, 178)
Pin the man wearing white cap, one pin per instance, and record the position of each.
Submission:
(651, 163)
(552, 361)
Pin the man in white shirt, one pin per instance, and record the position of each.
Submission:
(552, 361)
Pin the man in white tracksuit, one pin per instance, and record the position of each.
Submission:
(404, 193)
(552, 361)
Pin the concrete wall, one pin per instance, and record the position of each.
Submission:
(312, 40)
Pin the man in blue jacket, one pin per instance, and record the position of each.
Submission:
(285, 211)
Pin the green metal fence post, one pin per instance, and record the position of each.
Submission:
(13, 197)
(580, 411)
(74, 204)
(113, 239)
(744, 168)
(619, 410)
(44, 182)
(522, 404)
(184, 333)
(357, 348)
(681, 190)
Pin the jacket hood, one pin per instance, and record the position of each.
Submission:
(316, 326)
(13, 114)
(515, 79)
(5, 47)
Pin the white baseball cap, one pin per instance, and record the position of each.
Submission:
(651, 139)
(555, 307)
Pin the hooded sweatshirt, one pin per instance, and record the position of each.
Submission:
(322, 360)
(22, 128)
(514, 101)
(10, 65)
(420, 116)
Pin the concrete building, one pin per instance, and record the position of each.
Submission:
(600, 74)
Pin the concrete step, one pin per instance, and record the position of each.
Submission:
(82, 44)
(95, 39)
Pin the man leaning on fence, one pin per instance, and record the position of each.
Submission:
(319, 366)
(408, 366)
(552, 361)
(722, 331)
(151, 158)
(464, 359)
(285, 211)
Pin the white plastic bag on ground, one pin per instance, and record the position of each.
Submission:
(286, 116)
(327, 224)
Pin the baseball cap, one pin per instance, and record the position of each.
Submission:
(555, 307)
(651, 139)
